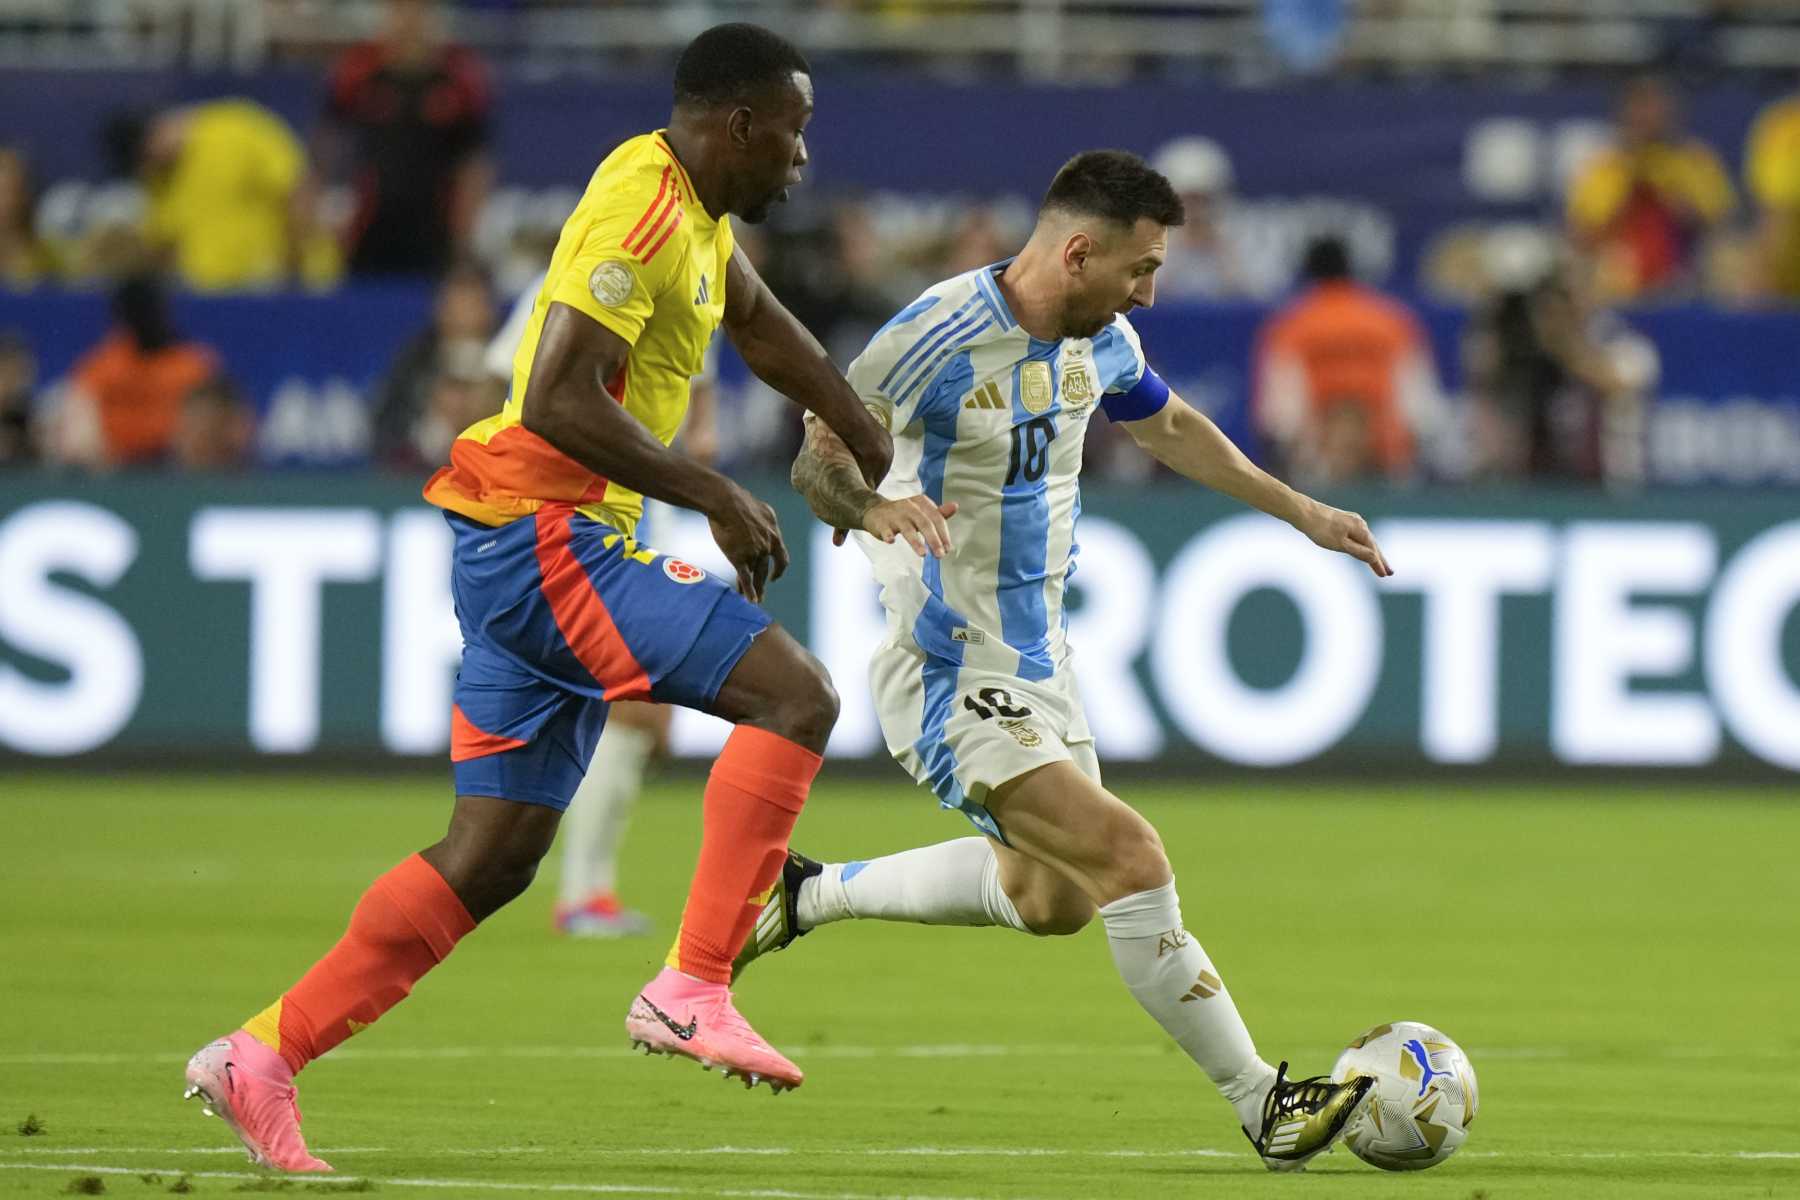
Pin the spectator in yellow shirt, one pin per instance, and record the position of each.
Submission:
(1772, 173)
(230, 196)
(1643, 206)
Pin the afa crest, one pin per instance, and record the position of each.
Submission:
(1023, 734)
(1077, 385)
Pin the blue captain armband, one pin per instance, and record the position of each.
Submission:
(1145, 398)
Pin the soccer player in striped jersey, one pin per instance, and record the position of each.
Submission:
(563, 611)
(988, 382)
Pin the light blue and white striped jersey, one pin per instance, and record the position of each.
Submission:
(986, 415)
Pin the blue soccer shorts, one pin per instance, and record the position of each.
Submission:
(561, 614)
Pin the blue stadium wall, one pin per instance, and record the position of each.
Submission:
(1727, 403)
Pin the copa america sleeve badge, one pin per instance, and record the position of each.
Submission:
(611, 283)
(1034, 386)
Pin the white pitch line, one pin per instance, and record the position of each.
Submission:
(478, 1152)
(1621, 1154)
(1150, 1049)
(918, 1152)
(689, 1151)
(239, 1150)
(481, 1185)
(372, 1054)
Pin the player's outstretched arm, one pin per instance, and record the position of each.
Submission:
(567, 404)
(789, 359)
(1186, 441)
(827, 475)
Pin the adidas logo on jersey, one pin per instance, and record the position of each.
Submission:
(985, 396)
(701, 295)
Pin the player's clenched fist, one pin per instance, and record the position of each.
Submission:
(923, 524)
(1345, 532)
(749, 536)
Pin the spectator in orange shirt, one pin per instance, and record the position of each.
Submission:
(126, 395)
(1345, 387)
(1643, 206)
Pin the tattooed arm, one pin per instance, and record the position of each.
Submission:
(827, 475)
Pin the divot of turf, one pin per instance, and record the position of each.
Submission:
(347, 1185)
(86, 1185)
(182, 1186)
(31, 1126)
(149, 1179)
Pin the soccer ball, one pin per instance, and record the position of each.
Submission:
(1424, 1096)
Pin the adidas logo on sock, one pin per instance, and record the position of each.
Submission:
(1205, 987)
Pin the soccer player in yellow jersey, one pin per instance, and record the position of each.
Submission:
(563, 611)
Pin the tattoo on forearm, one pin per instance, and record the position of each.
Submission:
(835, 491)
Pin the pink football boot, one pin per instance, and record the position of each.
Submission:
(677, 1014)
(250, 1087)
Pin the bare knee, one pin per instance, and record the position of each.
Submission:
(1139, 862)
(490, 854)
(807, 708)
(498, 884)
(1048, 903)
(779, 686)
(484, 882)
(1057, 915)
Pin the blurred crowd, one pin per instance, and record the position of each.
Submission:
(226, 196)
(1250, 39)
(395, 178)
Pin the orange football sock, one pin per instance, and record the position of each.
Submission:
(755, 793)
(405, 924)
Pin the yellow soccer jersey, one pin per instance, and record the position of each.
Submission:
(1688, 173)
(641, 256)
(1772, 168)
(223, 206)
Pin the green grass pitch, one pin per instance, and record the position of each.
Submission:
(1621, 963)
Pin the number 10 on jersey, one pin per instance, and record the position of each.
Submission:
(1031, 450)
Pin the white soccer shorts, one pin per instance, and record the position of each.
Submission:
(962, 731)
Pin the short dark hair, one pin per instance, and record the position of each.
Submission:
(141, 305)
(1326, 258)
(1116, 185)
(728, 62)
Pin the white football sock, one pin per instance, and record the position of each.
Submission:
(594, 825)
(952, 883)
(1173, 979)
